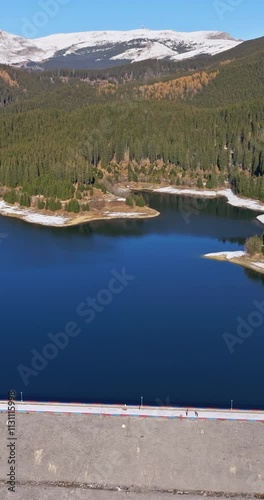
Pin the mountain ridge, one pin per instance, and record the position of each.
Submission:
(99, 49)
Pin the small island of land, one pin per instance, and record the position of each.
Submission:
(252, 258)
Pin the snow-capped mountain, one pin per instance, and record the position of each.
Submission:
(97, 49)
(15, 49)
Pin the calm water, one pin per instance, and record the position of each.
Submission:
(161, 337)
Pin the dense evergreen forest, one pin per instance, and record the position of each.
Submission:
(194, 122)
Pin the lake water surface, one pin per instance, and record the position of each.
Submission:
(161, 337)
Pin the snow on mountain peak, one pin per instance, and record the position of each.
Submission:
(153, 50)
(113, 46)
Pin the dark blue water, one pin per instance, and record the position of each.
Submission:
(160, 337)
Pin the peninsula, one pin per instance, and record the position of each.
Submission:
(252, 258)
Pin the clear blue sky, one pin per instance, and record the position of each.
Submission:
(242, 18)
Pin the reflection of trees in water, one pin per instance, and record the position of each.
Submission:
(215, 206)
(233, 239)
(179, 215)
(118, 227)
(253, 275)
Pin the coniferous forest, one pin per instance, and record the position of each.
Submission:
(188, 123)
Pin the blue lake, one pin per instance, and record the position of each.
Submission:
(159, 335)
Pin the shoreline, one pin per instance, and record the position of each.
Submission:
(62, 219)
(232, 199)
(239, 258)
(34, 216)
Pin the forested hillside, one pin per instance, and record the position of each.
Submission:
(190, 122)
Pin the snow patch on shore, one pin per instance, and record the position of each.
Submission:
(46, 220)
(228, 255)
(35, 218)
(232, 199)
(261, 218)
(259, 264)
(193, 192)
(236, 201)
(123, 214)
